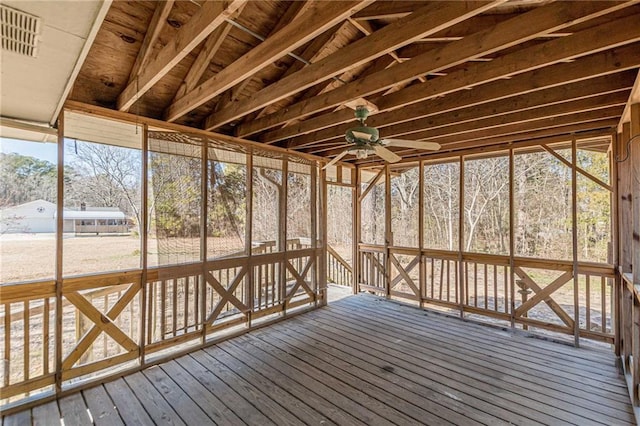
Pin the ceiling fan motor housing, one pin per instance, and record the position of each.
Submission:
(374, 135)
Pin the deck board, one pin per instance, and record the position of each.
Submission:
(362, 360)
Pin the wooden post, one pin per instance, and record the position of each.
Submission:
(313, 181)
(635, 266)
(388, 234)
(615, 232)
(625, 205)
(323, 237)
(248, 230)
(144, 240)
(282, 231)
(421, 272)
(574, 229)
(512, 276)
(634, 159)
(355, 237)
(204, 207)
(59, 248)
(461, 269)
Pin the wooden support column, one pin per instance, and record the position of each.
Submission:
(355, 235)
(574, 233)
(512, 275)
(323, 237)
(59, 252)
(204, 190)
(388, 234)
(615, 232)
(461, 277)
(248, 230)
(625, 189)
(282, 231)
(144, 240)
(634, 159)
(422, 283)
(635, 164)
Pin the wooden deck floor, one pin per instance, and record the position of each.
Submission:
(361, 361)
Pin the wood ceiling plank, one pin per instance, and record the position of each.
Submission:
(543, 98)
(592, 40)
(482, 125)
(554, 76)
(210, 17)
(295, 10)
(312, 53)
(158, 20)
(426, 20)
(209, 50)
(509, 33)
(317, 19)
(533, 125)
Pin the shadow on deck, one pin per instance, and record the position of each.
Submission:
(362, 360)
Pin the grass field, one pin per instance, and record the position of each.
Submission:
(26, 257)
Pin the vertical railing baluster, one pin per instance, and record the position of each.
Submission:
(587, 290)
(26, 344)
(45, 336)
(603, 302)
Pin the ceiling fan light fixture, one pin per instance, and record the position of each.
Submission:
(361, 154)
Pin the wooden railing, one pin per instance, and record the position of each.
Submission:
(338, 270)
(127, 320)
(529, 292)
(630, 336)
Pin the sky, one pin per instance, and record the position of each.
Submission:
(40, 150)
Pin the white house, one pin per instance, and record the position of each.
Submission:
(40, 217)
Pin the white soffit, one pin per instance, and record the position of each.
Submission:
(32, 88)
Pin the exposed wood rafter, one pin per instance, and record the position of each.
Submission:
(509, 33)
(315, 21)
(426, 20)
(211, 16)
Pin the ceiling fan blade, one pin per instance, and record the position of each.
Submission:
(386, 155)
(430, 146)
(362, 135)
(336, 159)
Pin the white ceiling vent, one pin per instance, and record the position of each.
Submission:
(20, 31)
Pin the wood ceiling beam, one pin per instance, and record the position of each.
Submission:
(158, 20)
(210, 17)
(524, 27)
(208, 51)
(386, 10)
(590, 130)
(592, 40)
(311, 54)
(294, 11)
(634, 98)
(318, 18)
(554, 76)
(551, 99)
(530, 111)
(426, 20)
(510, 129)
(543, 103)
(513, 138)
(575, 111)
(485, 125)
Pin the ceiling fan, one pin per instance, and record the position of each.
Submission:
(366, 140)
